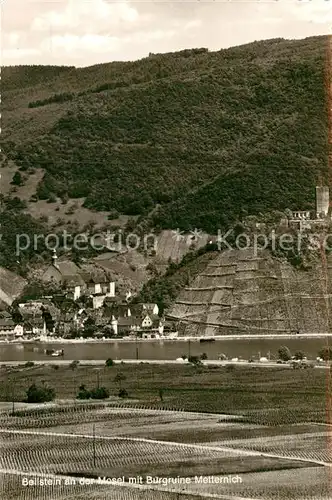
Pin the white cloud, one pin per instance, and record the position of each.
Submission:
(14, 54)
(316, 13)
(195, 23)
(13, 38)
(80, 14)
(150, 36)
(88, 43)
(93, 31)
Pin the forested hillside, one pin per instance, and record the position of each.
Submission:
(210, 136)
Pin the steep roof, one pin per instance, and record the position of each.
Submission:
(67, 268)
(95, 274)
(155, 317)
(149, 306)
(128, 321)
(73, 275)
(28, 314)
(73, 280)
(6, 322)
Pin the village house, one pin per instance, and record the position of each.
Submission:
(8, 329)
(39, 316)
(126, 319)
(84, 280)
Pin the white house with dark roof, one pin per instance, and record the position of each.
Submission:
(8, 329)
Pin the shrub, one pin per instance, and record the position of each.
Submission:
(194, 360)
(29, 364)
(83, 393)
(109, 362)
(204, 356)
(123, 393)
(114, 214)
(71, 210)
(299, 355)
(52, 198)
(74, 364)
(96, 393)
(42, 394)
(99, 393)
(17, 179)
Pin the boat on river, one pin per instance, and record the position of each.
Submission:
(53, 352)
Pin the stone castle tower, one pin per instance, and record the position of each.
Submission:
(322, 201)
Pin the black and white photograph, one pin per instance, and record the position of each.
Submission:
(166, 249)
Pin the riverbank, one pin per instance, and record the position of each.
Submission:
(54, 340)
(101, 362)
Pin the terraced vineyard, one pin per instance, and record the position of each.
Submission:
(240, 292)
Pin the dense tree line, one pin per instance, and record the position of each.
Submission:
(66, 96)
(211, 136)
(18, 231)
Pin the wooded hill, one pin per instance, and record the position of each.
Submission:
(210, 136)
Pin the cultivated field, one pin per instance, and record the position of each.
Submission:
(256, 441)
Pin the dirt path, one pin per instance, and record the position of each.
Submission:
(239, 451)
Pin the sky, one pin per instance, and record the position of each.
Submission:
(87, 32)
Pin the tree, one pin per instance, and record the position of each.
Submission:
(42, 394)
(299, 355)
(326, 353)
(120, 377)
(99, 393)
(90, 326)
(83, 393)
(284, 353)
(123, 393)
(74, 364)
(15, 204)
(96, 393)
(194, 360)
(15, 312)
(17, 179)
(109, 362)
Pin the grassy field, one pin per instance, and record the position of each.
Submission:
(263, 395)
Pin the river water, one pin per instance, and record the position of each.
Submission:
(162, 349)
